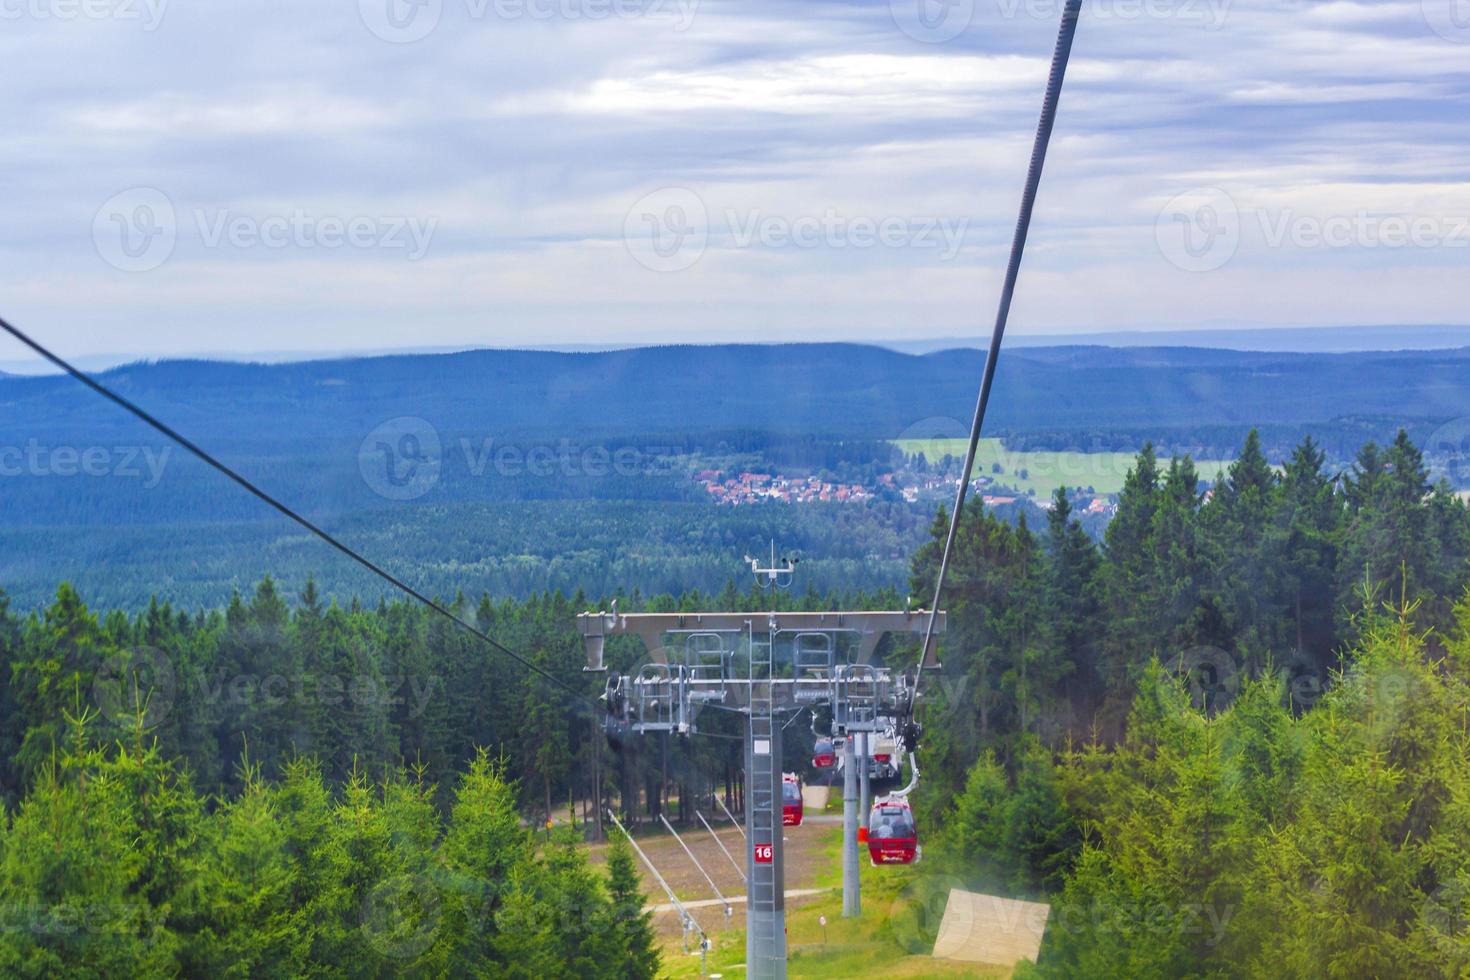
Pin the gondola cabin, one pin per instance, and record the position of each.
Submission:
(893, 837)
(791, 805)
(824, 754)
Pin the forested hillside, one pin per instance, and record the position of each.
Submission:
(514, 472)
(1230, 742)
(1234, 734)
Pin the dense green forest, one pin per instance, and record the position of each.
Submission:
(511, 548)
(1247, 702)
(1233, 741)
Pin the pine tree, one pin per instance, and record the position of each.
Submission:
(637, 958)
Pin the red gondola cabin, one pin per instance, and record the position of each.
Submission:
(824, 754)
(791, 806)
(893, 838)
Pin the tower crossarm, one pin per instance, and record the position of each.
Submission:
(653, 628)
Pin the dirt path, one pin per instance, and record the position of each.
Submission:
(807, 857)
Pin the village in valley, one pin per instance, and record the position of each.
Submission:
(746, 488)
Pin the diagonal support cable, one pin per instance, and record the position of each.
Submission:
(203, 455)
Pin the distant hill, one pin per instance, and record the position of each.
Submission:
(830, 389)
(91, 495)
(1305, 340)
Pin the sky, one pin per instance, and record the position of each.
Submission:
(229, 177)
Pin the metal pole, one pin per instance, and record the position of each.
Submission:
(727, 809)
(765, 909)
(733, 863)
(670, 828)
(865, 796)
(851, 901)
(597, 740)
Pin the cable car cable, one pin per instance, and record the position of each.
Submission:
(1060, 57)
(255, 491)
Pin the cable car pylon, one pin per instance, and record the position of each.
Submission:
(768, 667)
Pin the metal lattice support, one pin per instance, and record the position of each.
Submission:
(796, 661)
(851, 901)
(765, 923)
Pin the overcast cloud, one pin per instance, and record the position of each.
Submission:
(188, 176)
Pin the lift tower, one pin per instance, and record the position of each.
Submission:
(765, 666)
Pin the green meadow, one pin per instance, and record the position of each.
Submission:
(1043, 472)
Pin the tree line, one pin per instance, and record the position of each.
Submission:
(171, 727)
(1232, 740)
